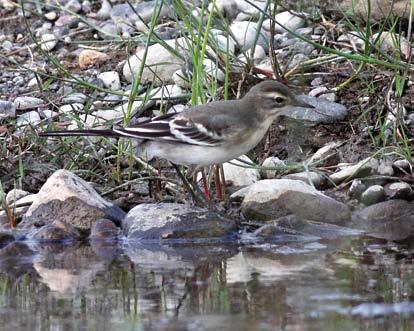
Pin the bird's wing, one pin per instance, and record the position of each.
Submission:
(176, 128)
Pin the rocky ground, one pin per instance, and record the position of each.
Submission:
(74, 64)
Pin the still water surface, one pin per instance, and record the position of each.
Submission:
(342, 284)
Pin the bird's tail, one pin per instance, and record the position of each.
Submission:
(65, 133)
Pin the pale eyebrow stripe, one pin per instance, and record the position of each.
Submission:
(273, 95)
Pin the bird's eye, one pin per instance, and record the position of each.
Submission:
(279, 99)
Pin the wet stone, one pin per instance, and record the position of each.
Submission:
(57, 231)
(373, 194)
(165, 221)
(356, 188)
(104, 229)
(403, 166)
(399, 190)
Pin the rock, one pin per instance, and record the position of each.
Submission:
(105, 11)
(212, 70)
(327, 112)
(31, 118)
(14, 195)
(222, 42)
(391, 220)
(174, 221)
(272, 162)
(71, 108)
(273, 198)
(109, 30)
(250, 9)
(51, 15)
(7, 110)
(373, 194)
(182, 79)
(400, 190)
(7, 45)
(166, 92)
(226, 8)
(363, 168)
(326, 156)
(355, 38)
(5, 239)
(403, 166)
(48, 41)
(287, 21)
(160, 64)
(70, 199)
(392, 42)
(385, 168)
(25, 102)
(56, 231)
(104, 229)
(245, 35)
(237, 174)
(357, 188)
(73, 5)
(239, 195)
(308, 177)
(110, 80)
(258, 55)
(89, 58)
(320, 92)
(74, 98)
(15, 250)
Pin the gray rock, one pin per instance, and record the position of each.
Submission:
(287, 20)
(373, 194)
(363, 168)
(245, 35)
(182, 79)
(14, 195)
(391, 220)
(400, 190)
(71, 108)
(110, 80)
(48, 41)
(327, 155)
(74, 98)
(272, 162)
(357, 188)
(105, 11)
(174, 221)
(297, 60)
(104, 229)
(239, 195)
(310, 177)
(68, 198)
(7, 110)
(51, 15)
(273, 198)
(326, 111)
(237, 174)
(56, 231)
(226, 8)
(403, 166)
(385, 168)
(25, 102)
(7, 45)
(160, 64)
(31, 118)
(73, 5)
(320, 92)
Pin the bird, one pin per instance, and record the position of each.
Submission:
(207, 134)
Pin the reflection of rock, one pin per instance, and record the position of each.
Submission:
(174, 221)
(16, 258)
(70, 271)
(164, 258)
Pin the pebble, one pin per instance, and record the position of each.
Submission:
(237, 174)
(403, 166)
(73, 107)
(272, 162)
(357, 188)
(287, 21)
(245, 35)
(7, 45)
(7, 110)
(26, 102)
(308, 177)
(31, 118)
(385, 168)
(105, 11)
(373, 194)
(320, 93)
(258, 55)
(211, 69)
(51, 16)
(399, 190)
(326, 155)
(181, 79)
(363, 168)
(89, 58)
(14, 195)
(48, 41)
(74, 98)
(110, 80)
(33, 82)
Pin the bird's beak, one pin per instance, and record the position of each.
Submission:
(300, 103)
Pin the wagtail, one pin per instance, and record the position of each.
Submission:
(207, 134)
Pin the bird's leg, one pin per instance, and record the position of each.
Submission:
(223, 181)
(219, 191)
(206, 190)
(194, 195)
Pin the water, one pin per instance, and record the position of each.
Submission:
(346, 284)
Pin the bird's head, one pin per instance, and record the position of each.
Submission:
(274, 98)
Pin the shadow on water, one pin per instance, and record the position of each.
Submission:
(341, 284)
